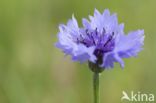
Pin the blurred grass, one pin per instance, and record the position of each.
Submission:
(32, 70)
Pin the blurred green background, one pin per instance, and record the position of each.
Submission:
(32, 70)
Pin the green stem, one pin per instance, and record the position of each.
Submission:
(96, 87)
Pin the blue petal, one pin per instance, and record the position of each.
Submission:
(108, 61)
(129, 45)
(86, 23)
(83, 54)
(67, 42)
(105, 20)
(110, 58)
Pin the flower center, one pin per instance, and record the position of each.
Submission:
(104, 42)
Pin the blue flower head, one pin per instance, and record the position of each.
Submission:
(101, 41)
